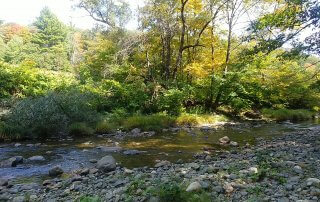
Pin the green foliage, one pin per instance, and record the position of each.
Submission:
(25, 80)
(171, 102)
(196, 119)
(286, 114)
(170, 192)
(173, 191)
(51, 31)
(49, 115)
(154, 122)
(80, 129)
(106, 127)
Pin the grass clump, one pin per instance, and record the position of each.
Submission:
(105, 126)
(288, 114)
(196, 119)
(154, 122)
(173, 191)
(80, 129)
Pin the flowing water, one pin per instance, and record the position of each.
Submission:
(75, 154)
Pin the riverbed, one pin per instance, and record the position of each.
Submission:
(71, 154)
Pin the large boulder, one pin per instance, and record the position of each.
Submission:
(107, 164)
(11, 162)
(55, 172)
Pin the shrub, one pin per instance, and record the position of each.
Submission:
(49, 115)
(80, 129)
(288, 114)
(25, 80)
(170, 192)
(171, 102)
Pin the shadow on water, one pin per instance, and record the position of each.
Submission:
(75, 154)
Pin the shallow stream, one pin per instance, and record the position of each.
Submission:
(172, 146)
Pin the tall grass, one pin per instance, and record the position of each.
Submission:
(150, 122)
(195, 119)
(287, 114)
(80, 129)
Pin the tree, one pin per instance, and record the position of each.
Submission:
(50, 31)
(113, 13)
(51, 39)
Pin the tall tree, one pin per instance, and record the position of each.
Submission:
(50, 30)
(113, 13)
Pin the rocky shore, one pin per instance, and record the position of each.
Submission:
(285, 168)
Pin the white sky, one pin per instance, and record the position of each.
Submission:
(24, 12)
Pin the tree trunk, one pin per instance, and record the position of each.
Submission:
(181, 45)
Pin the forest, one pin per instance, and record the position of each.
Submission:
(187, 58)
(205, 100)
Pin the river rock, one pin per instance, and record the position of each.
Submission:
(234, 144)
(132, 152)
(17, 145)
(313, 182)
(37, 158)
(224, 140)
(11, 162)
(136, 131)
(3, 182)
(93, 160)
(253, 170)
(85, 171)
(298, 169)
(228, 188)
(194, 186)
(107, 164)
(46, 182)
(128, 171)
(110, 149)
(56, 171)
(162, 163)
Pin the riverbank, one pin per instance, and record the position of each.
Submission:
(284, 168)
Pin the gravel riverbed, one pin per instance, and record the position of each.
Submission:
(285, 168)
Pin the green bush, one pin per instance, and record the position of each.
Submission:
(50, 115)
(25, 80)
(80, 129)
(171, 102)
(288, 114)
